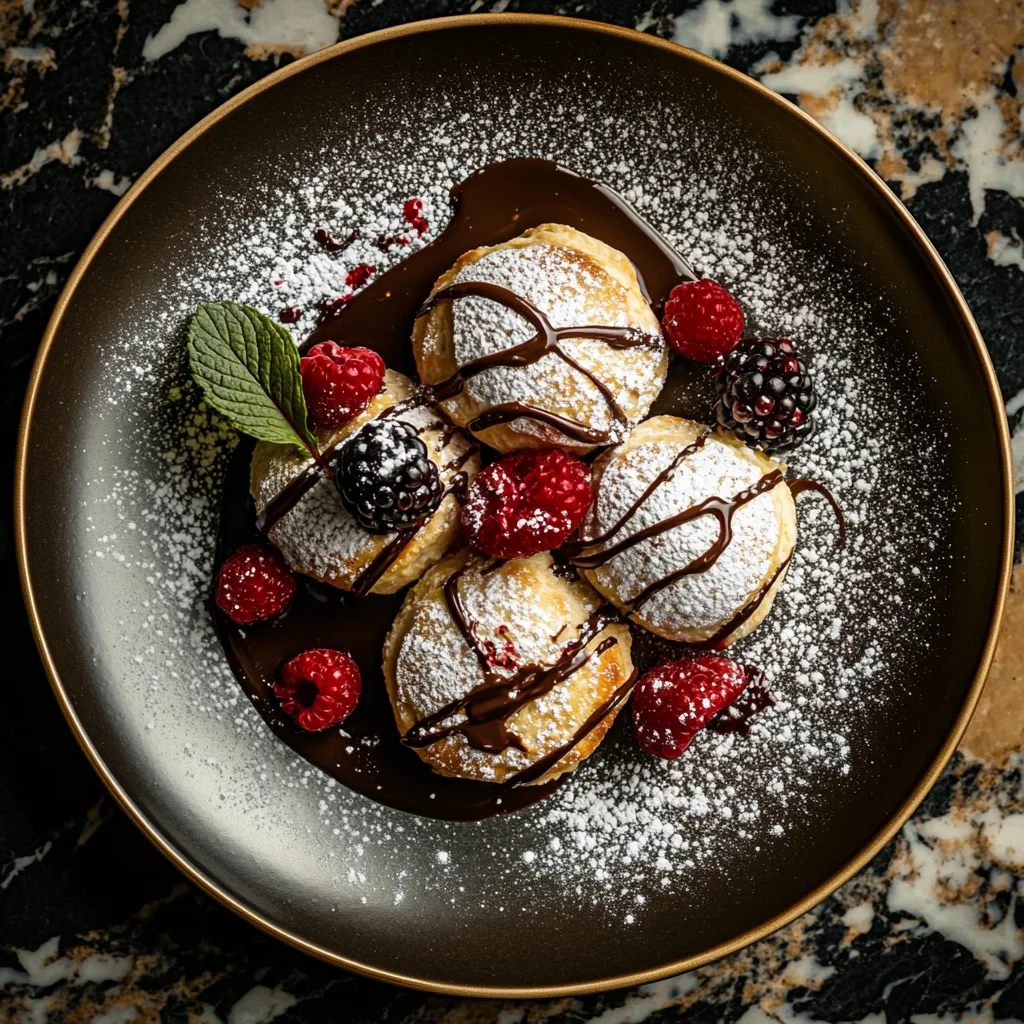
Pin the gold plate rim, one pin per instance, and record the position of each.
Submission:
(613, 981)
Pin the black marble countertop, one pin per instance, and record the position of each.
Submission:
(96, 925)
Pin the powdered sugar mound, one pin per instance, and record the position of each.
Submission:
(702, 599)
(625, 825)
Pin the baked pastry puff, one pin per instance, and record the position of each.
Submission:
(318, 536)
(505, 672)
(496, 335)
(689, 533)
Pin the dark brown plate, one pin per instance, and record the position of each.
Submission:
(154, 705)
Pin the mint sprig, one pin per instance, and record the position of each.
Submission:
(248, 368)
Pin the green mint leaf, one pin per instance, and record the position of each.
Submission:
(248, 368)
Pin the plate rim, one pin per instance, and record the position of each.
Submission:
(208, 884)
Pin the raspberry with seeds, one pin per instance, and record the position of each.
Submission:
(527, 502)
(254, 584)
(702, 321)
(674, 701)
(339, 383)
(319, 688)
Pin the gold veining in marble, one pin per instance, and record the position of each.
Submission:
(917, 85)
(996, 732)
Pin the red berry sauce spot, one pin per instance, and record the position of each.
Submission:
(413, 214)
(674, 701)
(756, 697)
(324, 239)
(290, 314)
(319, 688)
(254, 584)
(328, 308)
(339, 383)
(526, 502)
(359, 275)
(385, 242)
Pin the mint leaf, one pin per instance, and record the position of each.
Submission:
(248, 368)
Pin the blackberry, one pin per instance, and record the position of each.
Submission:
(385, 477)
(766, 395)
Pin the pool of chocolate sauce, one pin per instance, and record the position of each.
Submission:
(491, 206)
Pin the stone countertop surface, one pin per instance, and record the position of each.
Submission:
(96, 926)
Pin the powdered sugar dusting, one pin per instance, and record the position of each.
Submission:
(625, 827)
(704, 599)
(571, 291)
(524, 614)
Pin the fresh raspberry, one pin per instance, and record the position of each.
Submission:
(319, 688)
(254, 584)
(339, 383)
(702, 321)
(527, 502)
(674, 701)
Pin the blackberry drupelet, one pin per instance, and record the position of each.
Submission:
(385, 477)
(766, 395)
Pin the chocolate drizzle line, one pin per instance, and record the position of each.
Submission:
(280, 505)
(575, 548)
(489, 706)
(717, 639)
(547, 339)
(801, 484)
(723, 509)
(540, 768)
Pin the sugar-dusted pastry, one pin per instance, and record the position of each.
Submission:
(543, 340)
(508, 672)
(321, 537)
(690, 532)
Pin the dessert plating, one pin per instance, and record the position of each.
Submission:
(508, 673)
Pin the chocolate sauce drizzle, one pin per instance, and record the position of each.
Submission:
(543, 765)
(723, 510)
(546, 340)
(488, 707)
(801, 484)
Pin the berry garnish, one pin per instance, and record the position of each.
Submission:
(674, 701)
(319, 688)
(527, 502)
(254, 584)
(386, 479)
(701, 320)
(766, 395)
(339, 383)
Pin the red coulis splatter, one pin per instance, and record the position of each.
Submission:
(323, 237)
(413, 213)
(359, 275)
